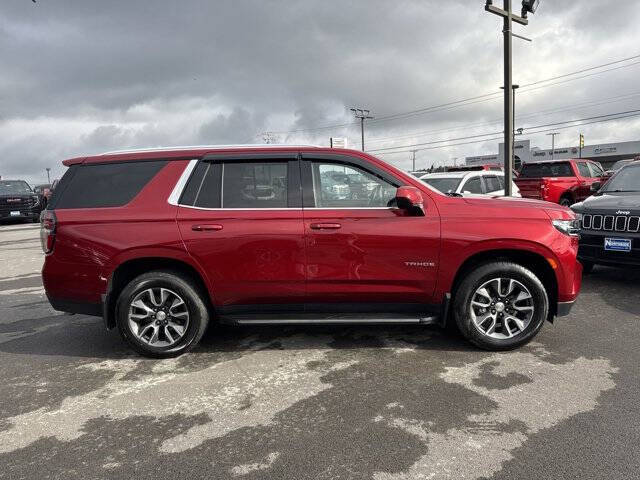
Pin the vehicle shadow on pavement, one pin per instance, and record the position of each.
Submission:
(85, 337)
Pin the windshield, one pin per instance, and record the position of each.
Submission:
(9, 187)
(540, 170)
(619, 164)
(626, 180)
(444, 185)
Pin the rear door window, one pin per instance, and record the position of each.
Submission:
(254, 185)
(492, 183)
(103, 185)
(583, 168)
(540, 170)
(473, 185)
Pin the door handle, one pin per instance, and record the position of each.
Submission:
(325, 226)
(206, 228)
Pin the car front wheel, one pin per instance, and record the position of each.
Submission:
(161, 314)
(500, 306)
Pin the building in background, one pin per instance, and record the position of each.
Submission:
(605, 153)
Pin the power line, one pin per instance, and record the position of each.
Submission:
(475, 99)
(599, 118)
(565, 108)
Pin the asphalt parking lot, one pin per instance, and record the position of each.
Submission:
(316, 403)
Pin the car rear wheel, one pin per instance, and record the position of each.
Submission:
(566, 202)
(500, 306)
(161, 314)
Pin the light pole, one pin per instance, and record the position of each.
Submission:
(48, 177)
(413, 159)
(362, 114)
(515, 86)
(508, 19)
(553, 143)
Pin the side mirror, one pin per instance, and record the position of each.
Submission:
(410, 199)
(595, 186)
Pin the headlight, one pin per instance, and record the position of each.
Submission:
(569, 227)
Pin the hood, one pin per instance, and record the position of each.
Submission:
(515, 202)
(610, 201)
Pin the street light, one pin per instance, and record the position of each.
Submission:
(528, 6)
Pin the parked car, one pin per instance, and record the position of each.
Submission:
(610, 233)
(469, 183)
(18, 201)
(473, 168)
(45, 190)
(559, 181)
(165, 241)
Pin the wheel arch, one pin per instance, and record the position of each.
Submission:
(533, 261)
(129, 269)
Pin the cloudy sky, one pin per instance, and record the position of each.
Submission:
(87, 76)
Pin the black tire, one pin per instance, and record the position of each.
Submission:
(587, 267)
(194, 302)
(474, 280)
(566, 201)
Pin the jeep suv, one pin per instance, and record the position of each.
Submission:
(166, 241)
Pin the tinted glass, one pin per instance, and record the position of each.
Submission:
(254, 185)
(443, 185)
(619, 164)
(105, 185)
(540, 170)
(583, 168)
(626, 180)
(209, 190)
(596, 170)
(9, 187)
(194, 184)
(473, 185)
(492, 183)
(339, 185)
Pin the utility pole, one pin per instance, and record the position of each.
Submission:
(413, 160)
(508, 19)
(362, 114)
(48, 177)
(581, 144)
(553, 143)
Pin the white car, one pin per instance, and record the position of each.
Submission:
(481, 182)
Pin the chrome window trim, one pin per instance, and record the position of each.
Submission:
(180, 185)
(174, 197)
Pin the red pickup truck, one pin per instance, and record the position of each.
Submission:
(559, 181)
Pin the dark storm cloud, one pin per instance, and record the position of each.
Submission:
(87, 76)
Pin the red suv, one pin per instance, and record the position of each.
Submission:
(160, 242)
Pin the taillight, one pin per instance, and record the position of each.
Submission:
(544, 188)
(47, 230)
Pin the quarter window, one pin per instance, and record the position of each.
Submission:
(342, 186)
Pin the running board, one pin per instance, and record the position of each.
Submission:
(372, 319)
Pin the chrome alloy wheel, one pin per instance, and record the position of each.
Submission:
(501, 308)
(158, 317)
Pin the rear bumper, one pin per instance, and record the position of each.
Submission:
(72, 306)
